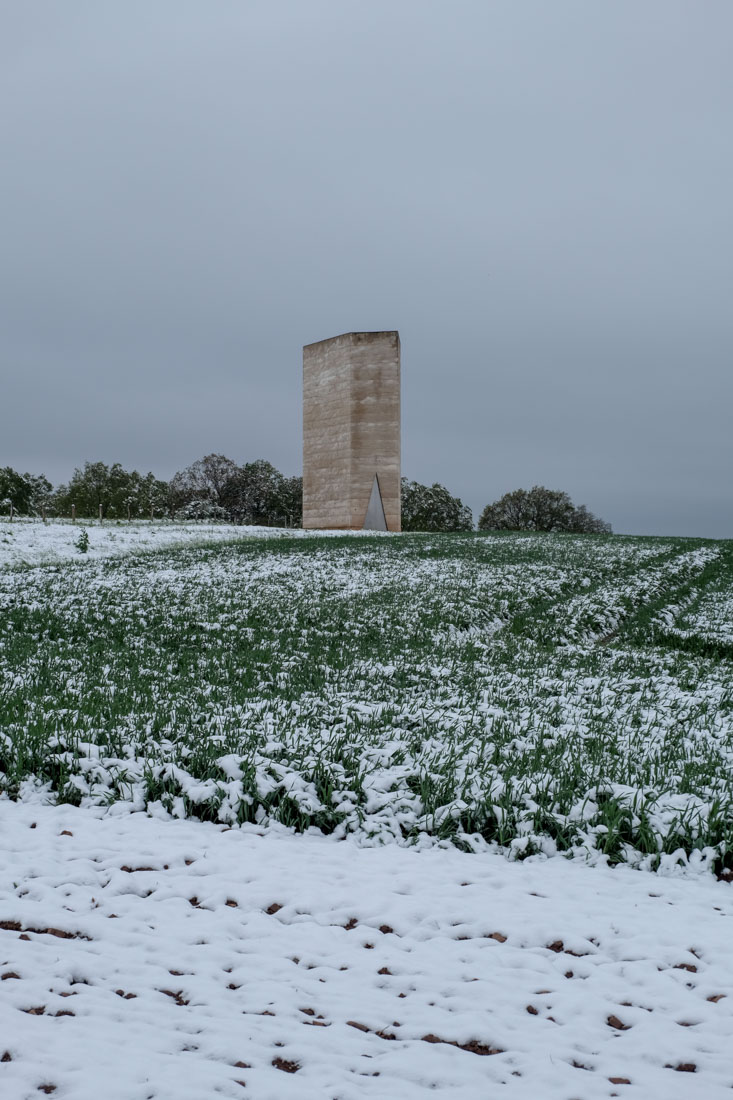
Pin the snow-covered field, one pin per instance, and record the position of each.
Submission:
(524, 699)
(490, 692)
(147, 959)
(31, 542)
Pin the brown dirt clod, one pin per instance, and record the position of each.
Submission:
(285, 1065)
(176, 996)
(16, 926)
(613, 1021)
(473, 1046)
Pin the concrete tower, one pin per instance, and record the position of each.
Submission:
(351, 432)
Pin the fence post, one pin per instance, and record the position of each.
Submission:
(11, 511)
(128, 511)
(100, 513)
(73, 513)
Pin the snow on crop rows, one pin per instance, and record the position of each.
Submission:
(32, 542)
(490, 692)
(706, 617)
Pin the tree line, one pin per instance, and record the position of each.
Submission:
(212, 488)
(216, 488)
(432, 508)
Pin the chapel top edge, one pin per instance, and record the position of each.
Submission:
(358, 337)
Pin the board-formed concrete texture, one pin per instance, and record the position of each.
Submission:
(351, 432)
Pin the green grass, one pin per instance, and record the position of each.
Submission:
(531, 693)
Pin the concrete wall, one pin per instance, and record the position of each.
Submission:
(351, 428)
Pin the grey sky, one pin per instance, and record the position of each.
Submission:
(537, 195)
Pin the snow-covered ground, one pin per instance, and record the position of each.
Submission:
(27, 542)
(147, 959)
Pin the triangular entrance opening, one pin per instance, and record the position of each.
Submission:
(374, 519)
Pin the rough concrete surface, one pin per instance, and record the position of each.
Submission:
(351, 429)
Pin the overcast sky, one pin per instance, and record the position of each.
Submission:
(536, 194)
